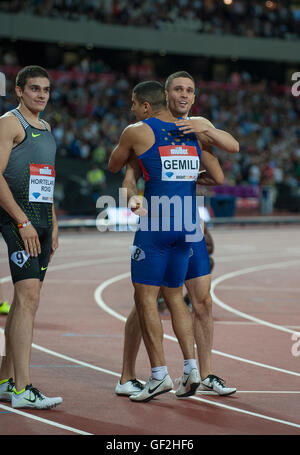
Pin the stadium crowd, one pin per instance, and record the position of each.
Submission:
(251, 18)
(89, 110)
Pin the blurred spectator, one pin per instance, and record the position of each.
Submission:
(89, 110)
(253, 18)
(97, 180)
(254, 174)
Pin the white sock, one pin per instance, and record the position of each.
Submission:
(159, 372)
(189, 365)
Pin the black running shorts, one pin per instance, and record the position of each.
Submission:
(23, 266)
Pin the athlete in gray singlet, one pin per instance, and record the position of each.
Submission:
(33, 191)
(29, 227)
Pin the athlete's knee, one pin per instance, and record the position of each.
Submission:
(202, 305)
(28, 296)
(145, 296)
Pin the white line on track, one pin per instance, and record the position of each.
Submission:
(41, 420)
(258, 268)
(115, 314)
(255, 256)
(102, 304)
(257, 288)
(244, 411)
(276, 392)
(112, 373)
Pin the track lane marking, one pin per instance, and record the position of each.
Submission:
(112, 373)
(115, 314)
(237, 273)
(86, 263)
(42, 420)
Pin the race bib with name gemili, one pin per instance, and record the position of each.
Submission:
(179, 162)
(41, 183)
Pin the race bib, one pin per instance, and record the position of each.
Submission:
(137, 254)
(41, 183)
(179, 162)
(20, 257)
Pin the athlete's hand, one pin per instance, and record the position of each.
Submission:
(54, 245)
(31, 240)
(135, 205)
(196, 125)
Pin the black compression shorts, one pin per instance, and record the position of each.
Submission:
(23, 266)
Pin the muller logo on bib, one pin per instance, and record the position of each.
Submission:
(46, 170)
(179, 151)
(179, 163)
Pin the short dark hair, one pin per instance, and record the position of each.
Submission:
(30, 71)
(175, 75)
(151, 91)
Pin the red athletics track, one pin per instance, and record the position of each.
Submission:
(78, 341)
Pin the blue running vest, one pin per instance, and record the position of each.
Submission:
(170, 168)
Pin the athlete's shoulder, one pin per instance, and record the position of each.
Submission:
(136, 124)
(135, 128)
(9, 123)
(8, 117)
(203, 119)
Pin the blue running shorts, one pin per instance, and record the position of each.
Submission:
(199, 264)
(160, 258)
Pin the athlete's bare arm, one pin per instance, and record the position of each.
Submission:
(132, 175)
(137, 138)
(208, 134)
(210, 163)
(121, 152)
(205, 179)
(11, 134)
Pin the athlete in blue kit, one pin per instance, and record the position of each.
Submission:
(170, 161)
(180, 93)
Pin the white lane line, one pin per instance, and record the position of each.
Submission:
(72, 359)
(254, 256)
(276, 392)
(243, 411)
(41, 420)
(87, 263)
(258, 288)
(115, 314)
(258, 268)
(72, 265)
(112, 373)
(257, 364)
(270, 391)
(40, 348)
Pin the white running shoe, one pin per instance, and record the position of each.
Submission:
(6, 390)
(216, 384)
(188, 384)
(33, 398)
(153, 388)
(129, 388)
